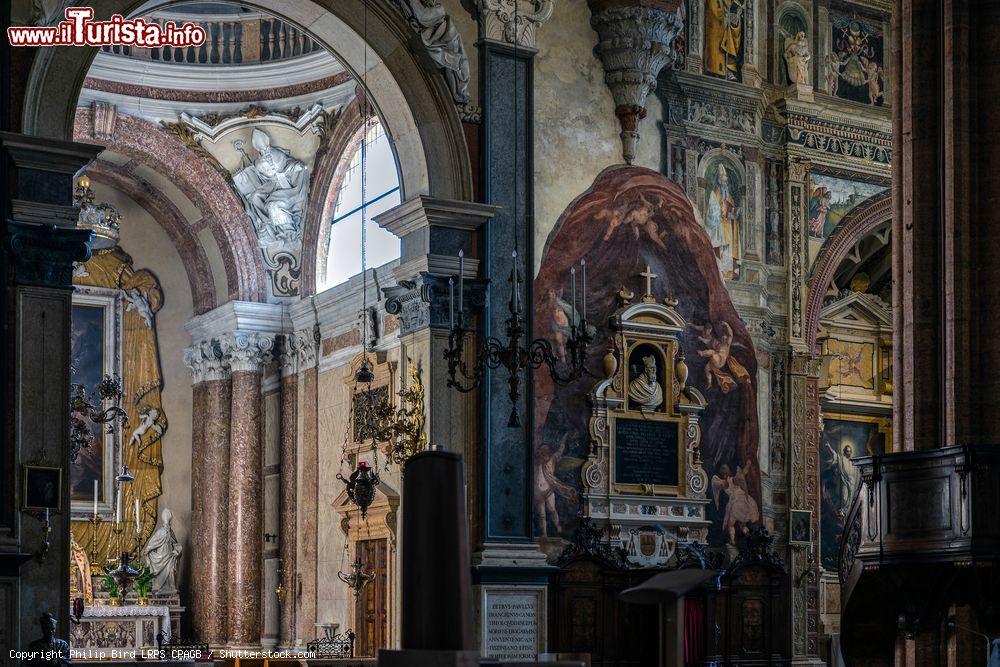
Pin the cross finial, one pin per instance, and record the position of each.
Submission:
(649, 276)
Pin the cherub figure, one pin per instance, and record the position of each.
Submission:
(548, 485)
(563, 317)
(146, 423)
(741, 509)
(716, 355)
(638, 216)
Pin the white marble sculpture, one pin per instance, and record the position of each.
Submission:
(162, 553)
(273, 189)
(797, 57)
(645, 390)
(430, 20)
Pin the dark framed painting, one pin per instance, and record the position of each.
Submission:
(95, 352)
(42, 488)
(800, 527)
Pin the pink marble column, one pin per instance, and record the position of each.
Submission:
(211, 407)
(247, 354)
(296, 350)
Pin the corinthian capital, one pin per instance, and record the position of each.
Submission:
(499, 22)
(206, 362)
(247, 351)
(298, 352)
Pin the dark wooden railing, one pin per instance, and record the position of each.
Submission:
(237, 41)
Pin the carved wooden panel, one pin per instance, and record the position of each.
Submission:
(370, 610)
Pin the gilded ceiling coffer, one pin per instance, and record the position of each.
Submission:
(635, 42)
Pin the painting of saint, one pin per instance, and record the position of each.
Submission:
(88, 367)
(855, 66)
(832, 198)
(629, 218)
(723, 215)
(840, 441)
(723, 52)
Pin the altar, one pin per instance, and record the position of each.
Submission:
(121, 629)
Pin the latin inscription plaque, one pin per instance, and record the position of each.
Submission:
(646, 452)
(511, 622)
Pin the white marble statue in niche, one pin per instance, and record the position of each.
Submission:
(797, 57)
(162, 553)
(273, 189)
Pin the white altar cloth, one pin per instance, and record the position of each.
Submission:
(125, 628)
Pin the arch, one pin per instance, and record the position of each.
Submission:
(857, 225)
(329, 171)
(203, 185)
(173, 222)
(414, 103)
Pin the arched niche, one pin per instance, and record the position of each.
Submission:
(409, 93)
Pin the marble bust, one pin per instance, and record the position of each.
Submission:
(48, 651)
(161, 553)
(645, 391)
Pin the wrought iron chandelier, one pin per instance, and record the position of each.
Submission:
(357, 578)
(512, 354)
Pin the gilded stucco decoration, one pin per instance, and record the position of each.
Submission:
(142, 383)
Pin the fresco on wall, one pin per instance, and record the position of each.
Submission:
(723, 38)
(774, 241)
(723, 214)
(629, 218)
(855, 66)
(832, 198)
(840, 441)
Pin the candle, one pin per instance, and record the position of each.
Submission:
(118, 507)
(516, 291)
(46, 516)
(461, 282)
(451, 302)
(583, 270)
(138, 524)
(95, 498)
(572, 276)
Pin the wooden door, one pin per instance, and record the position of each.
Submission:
(371, 612)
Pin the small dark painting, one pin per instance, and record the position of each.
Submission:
(42, 488)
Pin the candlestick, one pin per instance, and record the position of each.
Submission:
(583, 270)
(95, 497)
(451, 302)
(573, 315)
(461, 283)
(516, 290)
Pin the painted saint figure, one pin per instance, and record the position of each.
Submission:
(847, 475)
(723, 37)
(741, 509)
(723, 224)
(645, 391)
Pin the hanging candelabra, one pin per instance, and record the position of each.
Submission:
(511, 354)
(357, 578)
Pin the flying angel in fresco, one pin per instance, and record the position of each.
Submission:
(741, 509)
(638, 217)
(718, 361)
(548, 485)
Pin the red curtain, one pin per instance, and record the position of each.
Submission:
(694, 629)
